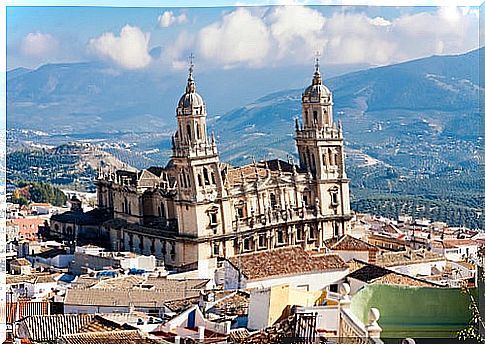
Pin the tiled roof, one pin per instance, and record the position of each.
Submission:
(375, 274)
(151, 283)
(125, 297)
(285, 261)
(407, 257)
(31, 278)
(43, 328)
(349, 243)
(20, 262)
(118, 337)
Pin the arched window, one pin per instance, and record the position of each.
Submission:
(197, 131)
(315, 116)
(162, 210)
(189, 134)
(206, 176)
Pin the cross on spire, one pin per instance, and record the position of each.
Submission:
(317, 60)
(191, 63)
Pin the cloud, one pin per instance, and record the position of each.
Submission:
(167, 19)
(240, 37)
(38, 44)
(129, 50)
(296, 31)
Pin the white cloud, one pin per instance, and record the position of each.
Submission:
(167, 19)
(291, 34)
(38, 44)
(240, 37)
(296, 30)
(129, 50)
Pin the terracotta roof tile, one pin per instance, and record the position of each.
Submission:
(285, 261)
(119, 337)
(350, 243)
(375, 274)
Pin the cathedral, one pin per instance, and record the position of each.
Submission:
(198, 207)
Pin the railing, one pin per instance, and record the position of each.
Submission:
(351, 329)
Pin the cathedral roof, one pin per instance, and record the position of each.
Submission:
(261, 169)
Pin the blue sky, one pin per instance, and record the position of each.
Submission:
(228, 37)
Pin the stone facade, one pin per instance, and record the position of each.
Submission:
(197, 207)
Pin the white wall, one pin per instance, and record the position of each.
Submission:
(349, 255)
(310, 281)
(258, 312)
(423, 269)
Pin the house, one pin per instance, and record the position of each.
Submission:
(51, 257)
(118, 337)
(20, 266)
(349, 247)
(128, 293)
(267, 305)
(287, 265)
(40, 208)
(55, 328)
(191, 324)
(96, 258)
(412, 262)
(373, 274)
(28, 227)
(33, 286)
(456, 249)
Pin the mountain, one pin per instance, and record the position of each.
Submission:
(429, 100)
(95, 97)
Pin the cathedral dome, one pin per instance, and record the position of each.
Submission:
(191, 99)
(317, 89)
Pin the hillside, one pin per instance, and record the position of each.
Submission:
(73, 164)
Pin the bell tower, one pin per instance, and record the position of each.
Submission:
(319, 141)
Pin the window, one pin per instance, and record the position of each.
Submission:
(162, 211)
(213, 177)
(247, 244)
(206, 176)
(315, 114)
(199, 177)
(262, 241)
(312, 233)
(189, 134)
(213, 218)
(240, 211)
(334, 198)
(334, 288)
(272, 198)
(299, 234)
(172, 251)
(305, 199)
(216, 249)
(280, 237)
